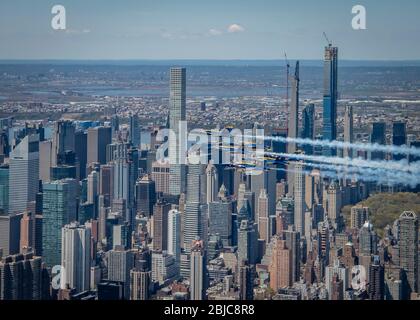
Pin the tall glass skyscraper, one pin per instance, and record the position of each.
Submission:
(177, 111)
(308, 127)
(399, 137)
(59, 209)
(134, 131)
(24, 174)
(4, 189)
(378, 136)
(330, 97)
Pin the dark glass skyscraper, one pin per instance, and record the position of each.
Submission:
(330, 97)
(399, 137)
(308, 126)
(378, 136)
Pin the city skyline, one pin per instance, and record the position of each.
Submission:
(209, 182)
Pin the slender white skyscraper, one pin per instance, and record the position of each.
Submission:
(177, 111)
(75, 257)
(293, 127)
(24, 174)
(195, 210)
(92, 186)
(299, 196)
(348, 130)
(174, 235)
(212, 184)
(197, 271)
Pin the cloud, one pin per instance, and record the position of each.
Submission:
(233, 28)
(215, 32)
(166, 34)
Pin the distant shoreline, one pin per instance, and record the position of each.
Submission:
(204, 62)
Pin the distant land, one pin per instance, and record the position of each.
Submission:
(239, 63)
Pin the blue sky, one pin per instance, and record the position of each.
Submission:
(208, 29)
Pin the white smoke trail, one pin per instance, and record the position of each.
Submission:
(405, 150)
(329, 171)
(381, 176)
(402, 165)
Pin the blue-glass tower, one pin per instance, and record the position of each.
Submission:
(308, 127)
(330, 98)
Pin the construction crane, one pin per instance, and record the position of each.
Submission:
(328, 40)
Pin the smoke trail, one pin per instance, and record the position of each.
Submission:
(347, 145)
(402, 165)
(382, 176)
(386, 178)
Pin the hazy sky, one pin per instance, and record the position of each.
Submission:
(208, 29)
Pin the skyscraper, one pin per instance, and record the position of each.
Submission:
(81, 152)
(59, 209)
(63, 140)
(399, 137)
(280, 267)
(145, 195)
(220, 220)
(408, 249)
(160, 175)
(246, 281)
(75, 257)
(264, 229)
(160, 225)
(97, 140)
(106, 182)
(334, 201)
(299, 197)
(358, 216)
(377, 280)
(293, 127)
(24, 174)
(336, 269)
(348, 131)
(177, 111)
(120, 262)
(10, 233)
(308, 127)
(195, 210)
(329, 131)
(21, 277)
(197, 271)
(4, 189)
(45, 160)
(28, 235)
(140, 280)
(174, 235)
(134, 131)
(378, 136)
(125, 176)
(247, 242)
(367, 240)
(211, 183)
